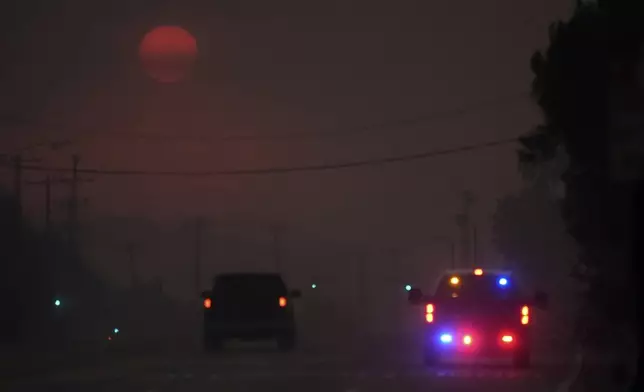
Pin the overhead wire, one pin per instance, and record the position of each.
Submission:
(321, 166)
(279, 169)
(372, 129)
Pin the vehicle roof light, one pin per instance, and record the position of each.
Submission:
(478, 272)
(503, 281)
(454, 280)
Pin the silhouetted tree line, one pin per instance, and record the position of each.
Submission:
(588, 77)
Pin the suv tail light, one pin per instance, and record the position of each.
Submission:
(207, 303)
(282, 302)
(429, 313)
(525, 315)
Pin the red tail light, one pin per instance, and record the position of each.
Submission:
(207, 303)
(507, 339)
(429, 313)
(282, 302)
(525, 315)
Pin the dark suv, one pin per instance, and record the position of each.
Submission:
(477, 312)
(249, 307)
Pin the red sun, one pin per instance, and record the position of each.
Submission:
(168, 53)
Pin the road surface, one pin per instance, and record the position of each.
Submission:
(261, 368)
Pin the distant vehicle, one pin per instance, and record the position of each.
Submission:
(477, 312)
(249, 307)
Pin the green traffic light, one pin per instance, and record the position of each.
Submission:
(57, 302)
(116, 330)
(314, 286)
(408, 287)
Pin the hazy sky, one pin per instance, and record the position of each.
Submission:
(282, 68)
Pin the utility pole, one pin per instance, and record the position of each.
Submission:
(47, 184)
(277, 256)
(452, 248)
(398, 278)
(395, 264)
(17, 179)
(361, 278)
(197, 244)
(463, 221)
(361, 271)
(73, 203)
(475, 246)
(47, 204)
(18, 162)
(131, 248)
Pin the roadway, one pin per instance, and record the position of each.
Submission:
(374, 365)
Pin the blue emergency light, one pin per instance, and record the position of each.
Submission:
(446, 338)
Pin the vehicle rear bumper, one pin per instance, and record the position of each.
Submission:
(484, 343)
(249, 330)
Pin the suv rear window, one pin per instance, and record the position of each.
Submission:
(248, 283)
(477, 288)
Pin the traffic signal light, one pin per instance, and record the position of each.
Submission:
(57, 303)
(408, 287)
(313, 286)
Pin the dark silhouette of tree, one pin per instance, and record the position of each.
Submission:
(591, 60)
(531, 235)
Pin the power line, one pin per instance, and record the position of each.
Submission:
(361, 130)
(282, 169)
